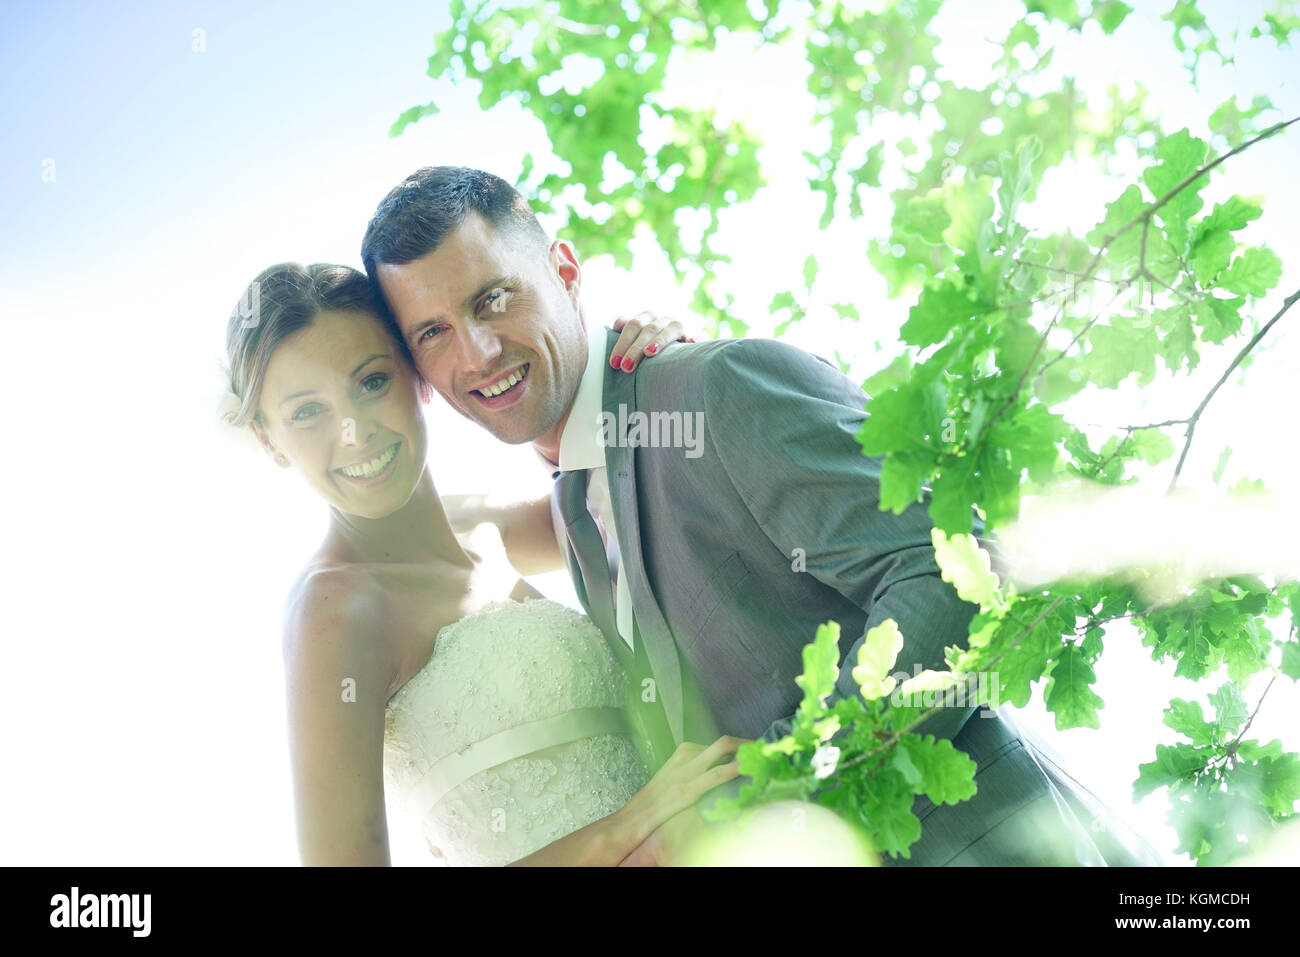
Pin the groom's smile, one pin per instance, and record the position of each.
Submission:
(503, 390)
(493, 324)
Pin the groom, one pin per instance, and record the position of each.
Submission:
(713, 508)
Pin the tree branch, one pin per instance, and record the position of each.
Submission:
(1195, 416)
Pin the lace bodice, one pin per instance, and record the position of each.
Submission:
(469, 740)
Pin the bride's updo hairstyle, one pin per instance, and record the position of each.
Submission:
(281, 300)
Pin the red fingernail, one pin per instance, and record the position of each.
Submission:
(690, 340)
(614, 361)
(651, 349)
(627, 365)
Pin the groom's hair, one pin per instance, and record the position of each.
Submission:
(419, 212)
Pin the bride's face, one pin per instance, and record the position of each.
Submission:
(341, 404)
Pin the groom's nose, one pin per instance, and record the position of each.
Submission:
(479, 347)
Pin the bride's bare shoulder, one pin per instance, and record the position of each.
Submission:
(332, 607)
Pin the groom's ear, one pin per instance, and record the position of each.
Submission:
(280, 458)
(564, 262)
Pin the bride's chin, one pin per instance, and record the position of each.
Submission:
(376, 506)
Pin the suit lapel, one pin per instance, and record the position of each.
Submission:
(661, 650)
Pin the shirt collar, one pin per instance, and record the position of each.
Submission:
(580, 446)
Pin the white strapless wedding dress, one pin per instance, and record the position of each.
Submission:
(512, 735)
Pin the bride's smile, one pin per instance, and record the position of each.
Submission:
(340, 403)
(372, 470)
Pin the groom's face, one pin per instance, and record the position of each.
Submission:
(495, 327)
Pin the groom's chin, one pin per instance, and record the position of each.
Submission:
(512, 430)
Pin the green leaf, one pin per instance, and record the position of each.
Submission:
(809, 271)
(1031, 437)
(1069, 693)
(1153, 446)
(1291, 659)
(1218, 318)
(1210, 254)
(1119, 214)
(970, 209)
(1232, 214)
(968, 568)
(1111, 14)
(820, 669)
(1253, 273)
(1181, 154)
(1223, 464)
(1273, 782)
(937, 311)
(894, 374)
(925, 216)
(929, 680)
(1229, 709)
(1172, 764)
(948, 774)
(901, 479)
(953, 495)
(886, 809)
(1185, 717)
(1119, 350)
(908, 416)
(876, 656)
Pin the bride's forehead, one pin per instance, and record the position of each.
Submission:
(334, 340)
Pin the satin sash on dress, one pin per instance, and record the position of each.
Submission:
(457, 768)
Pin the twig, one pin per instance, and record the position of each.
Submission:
(1146, 214)
(1231, 750)
(1195, 416)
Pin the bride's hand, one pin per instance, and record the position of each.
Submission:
(644, 334)
(690, 772)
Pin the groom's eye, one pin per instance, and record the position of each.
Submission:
(428, 334)
(496, 300)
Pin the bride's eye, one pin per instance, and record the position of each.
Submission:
(374, 383)
(307, 412)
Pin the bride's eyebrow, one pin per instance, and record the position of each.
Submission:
(377, 355)
(296, 395)
(353, 374)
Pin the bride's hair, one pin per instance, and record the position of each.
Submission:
(281, 300)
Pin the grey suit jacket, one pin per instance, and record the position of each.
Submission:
(763, 476)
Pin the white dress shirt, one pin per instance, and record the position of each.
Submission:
(580, 448)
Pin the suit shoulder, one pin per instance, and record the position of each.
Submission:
(715, 362)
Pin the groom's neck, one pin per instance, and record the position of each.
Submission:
(548, 444)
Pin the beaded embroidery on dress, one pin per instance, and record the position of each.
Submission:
(500, 683)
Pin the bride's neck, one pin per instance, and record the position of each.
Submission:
(417, 532)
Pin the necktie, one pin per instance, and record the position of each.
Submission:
(589, 552)
(651, 733)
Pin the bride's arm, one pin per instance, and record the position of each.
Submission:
(337, 678)
(689, 773)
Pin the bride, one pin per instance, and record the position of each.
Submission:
(497, 719)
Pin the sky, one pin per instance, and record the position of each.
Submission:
(156, 156)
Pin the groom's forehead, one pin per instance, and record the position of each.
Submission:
(475, 248)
